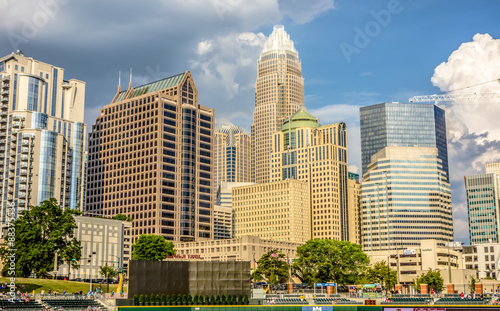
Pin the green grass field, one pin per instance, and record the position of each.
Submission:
(55, 285)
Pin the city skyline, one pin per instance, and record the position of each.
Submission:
(396, 62)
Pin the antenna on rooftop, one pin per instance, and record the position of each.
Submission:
(119, 81)
(130, 83)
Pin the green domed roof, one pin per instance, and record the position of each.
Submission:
(301, 118)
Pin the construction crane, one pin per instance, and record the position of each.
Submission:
(447, 96)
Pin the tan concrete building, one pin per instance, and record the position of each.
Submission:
(412, 262)
(246, 248)
(104, 242)
(232, 155)
(151, 158)
(277, 211)
(42, 135)
(406, 199)
(354, 214)
(279, 92)
(223, 222)
(305, 150)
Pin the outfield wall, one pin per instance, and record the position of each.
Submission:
(311, 308)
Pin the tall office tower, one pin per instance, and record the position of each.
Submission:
(483, 205)
(354, 207)
(231, 155)
(42, 135)
(279, 93)
(150, 158)
(405, 199)
(305, 150)
(277, 211)
(402, 125)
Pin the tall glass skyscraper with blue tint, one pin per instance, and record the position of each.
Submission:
(402, 125)
(42, 135)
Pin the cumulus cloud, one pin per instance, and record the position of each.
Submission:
(472, 125)
(305, 11)
(204, 47)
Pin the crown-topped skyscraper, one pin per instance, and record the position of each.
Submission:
(279, 93)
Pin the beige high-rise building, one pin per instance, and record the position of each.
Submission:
(151, 158)
(354, 206)
(316, 154)
(277, 211)
(279, 92)
(42, 135)
(232, 155)
(405, 199)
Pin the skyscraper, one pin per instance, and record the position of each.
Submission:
(231, 155)
(279, 92)
(402, 125)
(405, 199)
(42, 134)
(151, 158)
(307, 151)
(483, 205)
(354, 207)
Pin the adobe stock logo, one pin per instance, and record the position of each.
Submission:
(46, 10)
(363, 37)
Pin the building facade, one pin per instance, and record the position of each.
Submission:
(277, 211)
(483, 258)
(105, 242)
(405, 199)
(245, 248)
(232, 155)
(305, 150)
(483, 203)
(42, 135)
(279, 92)
(354, 205)
(223, 222)
(151, 158)
(402, 125)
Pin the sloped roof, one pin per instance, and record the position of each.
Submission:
(301, 118)
(152, 87)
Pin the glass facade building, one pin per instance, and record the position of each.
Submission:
(483, 204)
(402, 125)
(41, 155)
(405, 199)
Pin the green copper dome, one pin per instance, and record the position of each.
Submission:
(301, 118)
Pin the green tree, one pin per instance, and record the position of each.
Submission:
(152, 247)
(108, 272)
(275, 270)
(433, 280)
(382, 274)
(320, 261)
(472, 284)
(37, 235)
(122, 217)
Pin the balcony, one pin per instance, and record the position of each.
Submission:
(22, 195)
(5, 93)
(16, 124)
(23, 180)
(4, 101)
(6, 85)
(25, 143)
(6, 78)
(25, 150)
(24, 173)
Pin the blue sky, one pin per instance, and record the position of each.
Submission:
(219, 42)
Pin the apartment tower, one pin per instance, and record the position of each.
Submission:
(232, 155)
(151, 158)
(405, 199)
(279, 93)
(42, 135)
(305, 150)
(483, 205)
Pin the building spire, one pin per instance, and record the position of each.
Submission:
(130, 83)
(119, 81)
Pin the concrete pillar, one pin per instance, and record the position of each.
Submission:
(290, 288)
(424, 289)
(478, 288)
(399, 288)
(450, 288)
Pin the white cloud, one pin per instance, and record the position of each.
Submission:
(305, 11)
(205, 47)
(472, 126)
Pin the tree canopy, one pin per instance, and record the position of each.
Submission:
(37, 235)
(432, 278)
(382, 274)
(108, 272)
(275, 270)
(122, 217)
(152, 247)
(323, 260)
